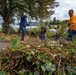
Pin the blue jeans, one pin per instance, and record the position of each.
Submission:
(23, 30)
(70, 35)
(43, 37)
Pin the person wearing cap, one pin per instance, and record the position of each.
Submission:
(23, 24)
(72, 25)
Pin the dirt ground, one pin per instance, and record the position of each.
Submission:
(5, 44)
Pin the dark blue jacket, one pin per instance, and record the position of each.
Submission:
(43, 30)
(23, 22)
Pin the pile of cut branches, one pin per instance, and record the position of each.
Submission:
(30, 59)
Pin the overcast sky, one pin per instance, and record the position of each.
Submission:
(61, 12)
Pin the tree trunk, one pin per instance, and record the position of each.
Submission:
(6, 27)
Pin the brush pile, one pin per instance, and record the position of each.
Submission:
(39, 59)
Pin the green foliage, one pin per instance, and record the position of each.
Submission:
(59, 22)
(49, 34)
(71, 70)
(0, 55)
(54, 21)
(2, 38)
(46, 23)
(14, 44)
(21, 72)
(36, 72)
(11, 30)
(37, 9)
(3, 73)
(49, 67)
(36, 62)
(34, 32)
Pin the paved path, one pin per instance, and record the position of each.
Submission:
(4, 44)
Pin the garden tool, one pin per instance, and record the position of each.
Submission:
(31, 27)
(62, 38)
(65, 30)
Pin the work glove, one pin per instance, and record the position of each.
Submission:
(65, 30)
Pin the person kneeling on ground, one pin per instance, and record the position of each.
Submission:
(43, 34)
